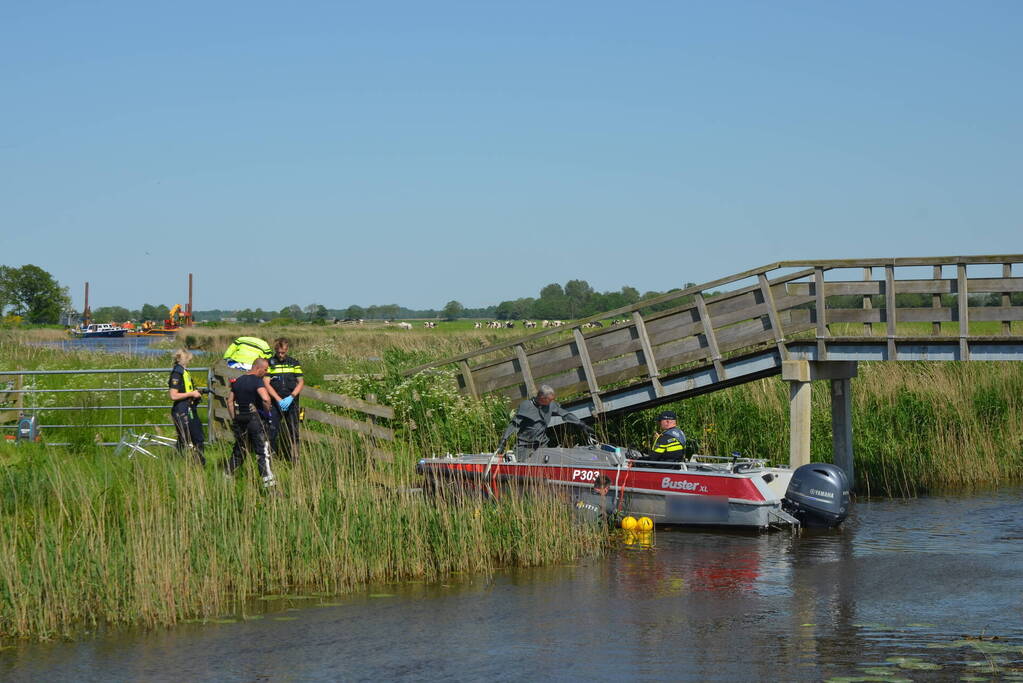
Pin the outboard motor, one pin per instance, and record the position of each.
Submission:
(818, 495)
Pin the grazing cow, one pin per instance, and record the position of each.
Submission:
(477, 325)
(429, 325)
(510, 324)
(556, 323)
(494, 324)
(529, 323)
(404, 326)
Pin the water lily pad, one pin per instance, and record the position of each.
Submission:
(252, 617)
(331, 604)
(285, 618)
(381, 595)
(223, 621)
(920, 625)
(914, 663)
(272, 597)
(808, 624)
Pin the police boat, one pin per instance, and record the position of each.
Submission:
(703, 491)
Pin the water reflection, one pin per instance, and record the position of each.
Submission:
(893, 592)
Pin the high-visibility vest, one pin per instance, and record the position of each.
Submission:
(186, 378)
(247, 349)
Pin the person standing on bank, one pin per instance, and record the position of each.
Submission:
(185, 397)
(248, 404)
(670, 443)
(532, 419)
(284, 382)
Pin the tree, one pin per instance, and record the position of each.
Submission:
(578, 293)
(35, 294)
(551, 291)
(111, 314)
(355, 312)
(294, 311)
(453, 309)
(155, 313)
(7, 296)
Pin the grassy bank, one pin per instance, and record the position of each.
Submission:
(90, 540)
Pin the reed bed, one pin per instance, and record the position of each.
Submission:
(91, 540)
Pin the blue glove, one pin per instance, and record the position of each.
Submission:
(285, 403)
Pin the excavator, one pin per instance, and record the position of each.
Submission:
(175, 319)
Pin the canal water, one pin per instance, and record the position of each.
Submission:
(125, 345)
(922, 589)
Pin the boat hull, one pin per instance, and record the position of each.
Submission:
(687, 494)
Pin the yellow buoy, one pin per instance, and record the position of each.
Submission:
(645, 524)
(629, 523)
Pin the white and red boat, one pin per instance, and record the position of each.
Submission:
(701, 491)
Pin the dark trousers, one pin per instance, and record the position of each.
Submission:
(284, 431)
(251, 433)
(190, 437)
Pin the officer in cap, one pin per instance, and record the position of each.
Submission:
(671, 441)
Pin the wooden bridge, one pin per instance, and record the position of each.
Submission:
(803, 320)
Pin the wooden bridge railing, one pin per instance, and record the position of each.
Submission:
(370, 427)
(768, 306)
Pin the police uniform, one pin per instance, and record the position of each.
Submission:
(670, 444)
(243, 351)
(250, 427)
(284, 376)
(531, 421)
(185, 416)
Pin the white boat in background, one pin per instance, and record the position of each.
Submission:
(98, 330)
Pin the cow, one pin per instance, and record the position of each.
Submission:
(510, 324)
(429, 325)
(404, 326)
(528, 323)
(477, 325)
(495, 324)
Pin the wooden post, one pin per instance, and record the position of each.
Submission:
(964, 312)
(841, 426)
(821, 307)
(470, 384)
(712, 341)
(591, 376)
(868, 275)
(797, 374)
(648, 354)
(1006, 299)
(890, 314)
(936, 303)
(772, 314)
(527, 374)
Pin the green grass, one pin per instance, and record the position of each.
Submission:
(95, 539)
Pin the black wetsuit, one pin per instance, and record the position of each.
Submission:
(250, 426)
(185, 417)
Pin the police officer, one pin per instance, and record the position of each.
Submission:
(671, 442)
(185, 397)
(248, 404)
(284, 381)
(244, 350)
(532, 419)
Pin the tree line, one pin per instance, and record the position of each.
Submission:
(34, 295)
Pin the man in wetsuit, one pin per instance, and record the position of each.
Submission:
(532, 419)
(284, 381)
(248, 404)
(185, 397)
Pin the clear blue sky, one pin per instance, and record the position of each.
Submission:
(418, 152)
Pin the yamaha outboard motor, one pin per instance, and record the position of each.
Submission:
(818, 495)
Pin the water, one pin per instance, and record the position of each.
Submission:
(125, 345)
(893, 593)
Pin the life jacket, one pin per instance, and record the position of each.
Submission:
(245, 350)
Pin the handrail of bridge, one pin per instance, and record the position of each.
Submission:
(709, 325)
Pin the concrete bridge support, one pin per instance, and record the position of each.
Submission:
(799, 374)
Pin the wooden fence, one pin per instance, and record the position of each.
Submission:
(314, 403)
(768, 306)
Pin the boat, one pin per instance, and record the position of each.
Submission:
(98, 330)
(703, 491)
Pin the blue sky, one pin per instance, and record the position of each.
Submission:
(415, 153)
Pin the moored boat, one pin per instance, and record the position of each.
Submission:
(702, 491)
(98, 330)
